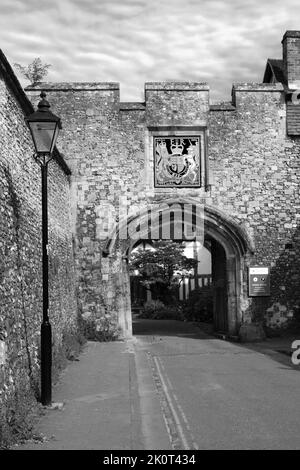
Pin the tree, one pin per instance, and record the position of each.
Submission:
(35, 71)
(162, 268)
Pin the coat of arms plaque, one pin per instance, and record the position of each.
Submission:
(177, 162)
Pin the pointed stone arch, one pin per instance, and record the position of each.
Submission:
(223, 225)
(228, 235)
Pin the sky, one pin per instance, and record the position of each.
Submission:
(138, 41)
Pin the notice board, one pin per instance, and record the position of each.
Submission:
(259, 281)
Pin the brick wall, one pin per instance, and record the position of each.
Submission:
(291, 57)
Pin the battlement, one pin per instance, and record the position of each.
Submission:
(152, 89)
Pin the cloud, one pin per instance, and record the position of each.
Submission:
(134, 41)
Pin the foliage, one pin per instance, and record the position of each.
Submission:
(69, 350)
(35, 71)
(17, 413)
(155, 309)
(199, 305)
(162, 268)
(151, 309)
(101, 329)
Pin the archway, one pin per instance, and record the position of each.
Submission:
(229, 243)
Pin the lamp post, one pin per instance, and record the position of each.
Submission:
(44, 127)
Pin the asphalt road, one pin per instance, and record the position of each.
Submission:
(213, 394)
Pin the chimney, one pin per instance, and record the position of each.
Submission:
(291, 58)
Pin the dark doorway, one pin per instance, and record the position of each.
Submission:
(220, 301)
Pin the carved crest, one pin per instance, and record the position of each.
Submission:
(177, 161)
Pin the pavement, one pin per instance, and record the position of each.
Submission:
(99, 403)
(115, 395)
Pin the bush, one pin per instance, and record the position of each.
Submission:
(157, 310)
(72, 344)
(19, 400)
(17, 415)
(69, 350)
(101, 329)
(151, 308)
(199, 305)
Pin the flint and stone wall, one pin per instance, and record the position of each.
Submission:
(255, 168)
(21, 254)
(253, 173)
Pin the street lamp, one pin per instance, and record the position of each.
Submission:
(44, 127)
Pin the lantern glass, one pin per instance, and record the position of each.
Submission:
(44, 134)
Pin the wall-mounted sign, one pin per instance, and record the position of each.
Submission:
(259, 281)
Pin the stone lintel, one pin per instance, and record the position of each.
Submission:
(132, 106)
(179, 128)
(223, 106)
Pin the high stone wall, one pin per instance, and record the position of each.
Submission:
(21, 260)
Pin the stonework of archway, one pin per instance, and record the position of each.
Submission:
(233, 239)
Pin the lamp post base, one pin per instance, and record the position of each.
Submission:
(46, 363)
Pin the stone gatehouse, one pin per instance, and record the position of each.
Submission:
(234, 163)
(245, 154)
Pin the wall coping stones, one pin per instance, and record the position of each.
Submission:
(291, 34)
(265, 87)
(177, 86)
(74, 86)
(13, 83)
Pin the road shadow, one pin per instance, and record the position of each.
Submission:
(277, 348)
(154, 327)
